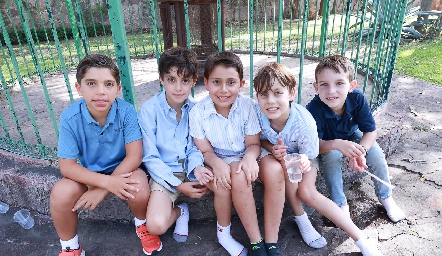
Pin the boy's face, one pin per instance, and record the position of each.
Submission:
(333, 88)
(223, 86)
(275, 103)
(177, 88)
(99, 89)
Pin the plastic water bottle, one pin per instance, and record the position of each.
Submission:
(4, 207)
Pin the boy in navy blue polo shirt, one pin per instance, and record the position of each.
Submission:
(346, 127)
(99, 151)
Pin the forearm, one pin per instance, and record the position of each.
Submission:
(267, 145)
(327, 145)
(368, 139)
(70, 169)
(253, 151)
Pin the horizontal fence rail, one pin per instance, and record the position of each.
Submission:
(42, 41)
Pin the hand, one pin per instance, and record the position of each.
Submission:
(221, 174)
(350, 148)
(250, 168)
(357, 163)
(305, 165)
(279, 150)
(90, 198)
(120, 185)
(189, 189)
(203, 175)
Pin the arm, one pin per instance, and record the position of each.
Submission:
(221, 170)
(248, 164)
(346, 147)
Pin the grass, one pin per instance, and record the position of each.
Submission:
(422, 60)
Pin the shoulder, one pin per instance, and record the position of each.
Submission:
(151, 104)
(73, 110)
(202, 104)
(124, 106)
(301, 112)
(357, 96)
(315, 106)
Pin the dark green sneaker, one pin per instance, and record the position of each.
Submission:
(273, 249)
(259, 249)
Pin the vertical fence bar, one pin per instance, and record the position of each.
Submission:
(361, 26)
(251, 45)
(122, 52)
(81, 23)
(303, 44)
(59, 51)
(314, 28)
(279, 42)
(74, 27)
(154, 28)
(64, 31)
(220, 25)
(373, 39)
(324, 28)
(347, 22)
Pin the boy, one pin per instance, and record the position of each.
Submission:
(225, 128)
(288, 127)
(169, 154)
(102, 132)
(346, 128)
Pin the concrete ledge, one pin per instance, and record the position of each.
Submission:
(27, 183)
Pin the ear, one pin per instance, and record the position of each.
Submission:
(78, 87)
(353, 85)
(194, 82)
(292, 94)
(316, 87)
(119, 88)
(242, 83)
(205, 83)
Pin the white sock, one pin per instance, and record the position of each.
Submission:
(182, 224)
(227, 241)
(368, 248)
(309, 233)
(393, 211)
(346, 209)
(71, 243)
(139, 222)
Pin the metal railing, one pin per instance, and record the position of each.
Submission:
(43, 43)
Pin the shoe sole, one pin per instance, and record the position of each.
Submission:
(154, 251)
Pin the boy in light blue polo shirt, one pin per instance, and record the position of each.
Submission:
(169, 154)
(99, 151)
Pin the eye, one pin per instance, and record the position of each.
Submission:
(262, 95)
(186, 81)
(340, 83)
(90, 84)
(109, 84)
(279, 93)
(232, 82)
(323, 84)
(215, 81)
(170, 79)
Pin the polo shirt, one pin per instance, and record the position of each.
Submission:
(357, 115)
(99, 149)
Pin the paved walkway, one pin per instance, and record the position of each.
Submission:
(414, 167)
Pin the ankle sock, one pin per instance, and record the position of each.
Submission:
(393, 211)
(273, 249)
(71, 243)
(182, 224)
(258, 248)
(368, 248)
(346, 209)
(228, 242)
(309, 233)
(139, 222)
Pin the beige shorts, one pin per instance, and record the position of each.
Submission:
(154, 186)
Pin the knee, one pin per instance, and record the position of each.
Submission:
(156, 226)
(65, 193)
(331, 156)
(306, 194)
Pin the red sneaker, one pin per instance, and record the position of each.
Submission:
(69, 252)
(151, 243)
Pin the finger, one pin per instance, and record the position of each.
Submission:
(132, 181)
(125, 195)
(238, 169)
(214, 183)
(131, 188)
(125, 175)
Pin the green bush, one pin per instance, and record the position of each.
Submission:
(45, 34)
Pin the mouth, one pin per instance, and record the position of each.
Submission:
(332, 98)
(100, 102)
(223, 98)
(272, 110)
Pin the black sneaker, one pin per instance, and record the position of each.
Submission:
(259, 249)
(273, 250)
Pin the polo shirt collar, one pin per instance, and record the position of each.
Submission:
(350, 105)
(286, 129)
(209, 107)
(88, 117)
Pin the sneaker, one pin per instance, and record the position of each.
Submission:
(274, 250)
(151, 243)
(259, 249)
(69, 252)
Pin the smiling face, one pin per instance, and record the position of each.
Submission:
(177, 87)
(99, 89)
(275, 102)
(223, 85)
(333, 87)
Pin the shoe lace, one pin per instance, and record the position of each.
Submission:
(145, 236)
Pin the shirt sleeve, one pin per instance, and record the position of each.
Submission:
(364, 117)
(309, 143)
(196, 123)
(151, 156)
(67, 141)
(132, 130)
(194, 158)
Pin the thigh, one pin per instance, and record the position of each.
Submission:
(67, 191)
(141, 176)
(270, 170)
(159, 206)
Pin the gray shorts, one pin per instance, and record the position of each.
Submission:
(154, 186)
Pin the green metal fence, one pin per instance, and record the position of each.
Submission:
(42, 42)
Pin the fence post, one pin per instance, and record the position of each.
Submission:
(324, 27)
(122, 52)
(75, 32)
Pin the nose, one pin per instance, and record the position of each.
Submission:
(101, 89)
(271, 98)
(223, 87)
(331, 88)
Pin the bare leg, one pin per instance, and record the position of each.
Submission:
(138, 205)
(160, 214)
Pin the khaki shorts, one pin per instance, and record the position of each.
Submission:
(154, 186)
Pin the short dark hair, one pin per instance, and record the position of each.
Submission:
(179, 57)
(226, 59)
(336, 62)
(97, 61)
(264, 78)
